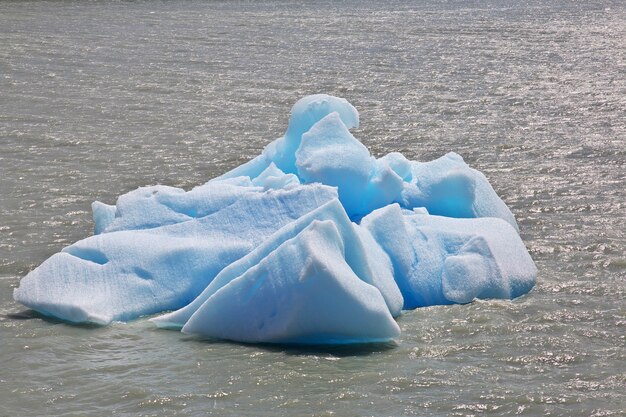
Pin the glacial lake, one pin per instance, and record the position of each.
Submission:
(98, 98)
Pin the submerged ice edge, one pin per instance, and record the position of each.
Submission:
(313, 241)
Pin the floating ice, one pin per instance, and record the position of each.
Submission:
(368, 261)
(302, 292)
(125, 274)
(442, 260)
(304, 115)
(159, 205)
(313, 241)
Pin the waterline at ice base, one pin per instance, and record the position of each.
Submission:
(314, 241)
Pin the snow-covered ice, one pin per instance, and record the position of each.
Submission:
(314, 241)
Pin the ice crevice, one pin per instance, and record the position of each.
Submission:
(314, 241)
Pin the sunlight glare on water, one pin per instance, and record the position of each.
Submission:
(98, 98)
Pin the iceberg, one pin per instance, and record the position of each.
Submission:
(315, 241)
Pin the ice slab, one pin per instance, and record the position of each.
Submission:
(304, 114)
(302, 292)
(448, 187)
(160, 205)
(368, 261)
(126, 274)
(442, 260)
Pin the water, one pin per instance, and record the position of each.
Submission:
(98, 98)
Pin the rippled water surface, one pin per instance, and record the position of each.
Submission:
(98, 98)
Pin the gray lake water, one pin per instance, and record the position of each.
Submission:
(98, 98)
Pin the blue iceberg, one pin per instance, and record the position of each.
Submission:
(442, 260)
(315, 241)
(302, 292)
